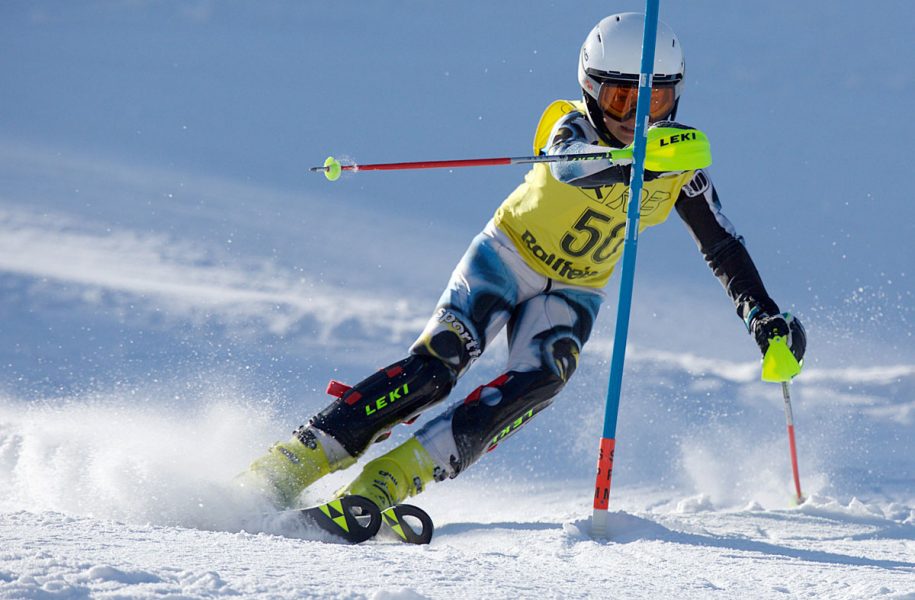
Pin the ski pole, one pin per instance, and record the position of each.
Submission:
(630, 247)
(780, 365)
(789, 417)
(332, 167)
(667, 149)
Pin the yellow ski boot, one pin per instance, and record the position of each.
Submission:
(393, 477)
(290, 467)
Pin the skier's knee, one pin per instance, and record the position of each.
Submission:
(561, 357)
(451, 338)
(396, 394)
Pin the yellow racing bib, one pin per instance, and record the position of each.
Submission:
(574, 234)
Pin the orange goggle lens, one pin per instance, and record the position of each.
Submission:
(619, 99)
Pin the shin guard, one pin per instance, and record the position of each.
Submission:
(491, 413)
(367, 411)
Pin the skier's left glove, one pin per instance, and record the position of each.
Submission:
(764, 327)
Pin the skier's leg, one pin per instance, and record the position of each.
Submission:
(475, 305)
(546, 335)
(485, 289)
(340, 433)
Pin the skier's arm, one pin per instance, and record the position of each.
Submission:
(723, 249)
(573, 134)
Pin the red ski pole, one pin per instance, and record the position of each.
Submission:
(332, 167)
(667, 149)
(789, 417)
(779, 365)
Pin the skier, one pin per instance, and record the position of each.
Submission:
(538, 268)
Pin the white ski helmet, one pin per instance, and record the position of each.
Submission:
(612, 55)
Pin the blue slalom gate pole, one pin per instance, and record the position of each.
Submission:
(630, 247)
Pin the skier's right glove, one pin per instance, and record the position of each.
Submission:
(764, 327)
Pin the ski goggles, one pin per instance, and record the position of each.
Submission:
(618, 100)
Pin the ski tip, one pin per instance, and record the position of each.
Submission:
(332, 168)
(352, 519)
(409, 524)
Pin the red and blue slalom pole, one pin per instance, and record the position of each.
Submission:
(627, 279)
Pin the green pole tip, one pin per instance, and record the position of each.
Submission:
(332, 169)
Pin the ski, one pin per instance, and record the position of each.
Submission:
(355, 519)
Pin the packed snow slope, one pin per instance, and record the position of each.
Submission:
(176, 290)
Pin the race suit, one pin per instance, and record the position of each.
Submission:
(537, 268)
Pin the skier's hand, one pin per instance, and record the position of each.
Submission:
(765, 327)
(652, 175)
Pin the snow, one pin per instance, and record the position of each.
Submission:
(503, 552)
(176, 290)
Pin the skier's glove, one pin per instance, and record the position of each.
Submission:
(652, 175)
(765, 327)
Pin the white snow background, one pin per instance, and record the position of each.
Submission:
(176, 290)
